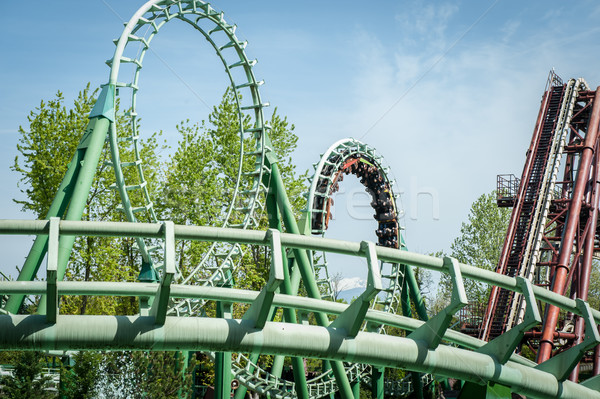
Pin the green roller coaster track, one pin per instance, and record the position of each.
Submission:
(350, 339)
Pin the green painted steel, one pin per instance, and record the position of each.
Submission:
(247, 189)
(166, 295)
(218, 234)
(377, 382)
(196, 333)
(142, 332)
(223, 359)
(305, 269)
(71, 198)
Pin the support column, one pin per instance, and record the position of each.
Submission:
(223, 360)
(570, 230)
(356, 387)
(305, 269)
(377, 382)
(72, 193)
(587, 257)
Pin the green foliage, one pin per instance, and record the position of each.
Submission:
(145, 375)
(198, 182)
(194, 187)
(164, 375)
(80, 381)
(47, 146)
(481, 238)
(27, 380)
(479, 244)
(481, 241)
(594, 289)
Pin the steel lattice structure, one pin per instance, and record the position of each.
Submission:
(353, 346)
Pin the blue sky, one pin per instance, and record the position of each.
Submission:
(448, 92)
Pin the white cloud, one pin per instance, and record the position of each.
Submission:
(426, 23)
(349, 283)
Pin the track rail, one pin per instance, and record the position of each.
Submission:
(247, 191)
(350, 156)
(144, 332)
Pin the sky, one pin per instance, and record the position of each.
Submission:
(447, 92)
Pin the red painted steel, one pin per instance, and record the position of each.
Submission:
(497, 312)
(571, 229)
(571, 233)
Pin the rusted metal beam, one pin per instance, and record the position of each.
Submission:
(570, 230)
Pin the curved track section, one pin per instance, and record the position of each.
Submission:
(350, 156)
(345, 157)
(475, 361)
(218, 264)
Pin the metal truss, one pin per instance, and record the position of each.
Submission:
(172, 314)
(422, 349)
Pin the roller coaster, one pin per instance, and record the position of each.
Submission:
(546, 259)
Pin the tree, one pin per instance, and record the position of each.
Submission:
(594, 289)
(80, 381)
(196, 189)
(27, 380)
(165, 375)
(479, 243)
(46, 147)
(196, 186)
(190, 191)
(336, 284)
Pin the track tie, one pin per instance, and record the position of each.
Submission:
(236, 44)
(154, 248)
(128, 138)
(250, 84)
(127, 85)
(254, 153)
(132, 163)
(143, 184)
(254, 106)
(250, 63)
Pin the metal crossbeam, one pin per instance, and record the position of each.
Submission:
(52, 271)
(504, 345)
(217, 234)
(216, 334)
(258, 313)
(352, 318)
(162, 297)
(562, 364)
(434, 329)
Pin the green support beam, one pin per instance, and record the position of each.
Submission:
(352, 318)
(223, 360)
(562, 364)
(202, 233)
(40, 245)
(289, 314)
(161, 299)
(72, 194)
(51, 271)
(486, 391)
(377, 382)
(356, 388)
(32, 332)
(434, 329)
(504, 345)
(261, 308)
(306, 272)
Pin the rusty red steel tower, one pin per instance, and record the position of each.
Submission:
(553, 231)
